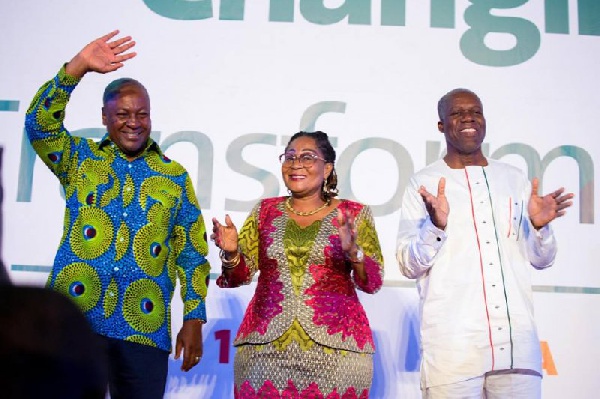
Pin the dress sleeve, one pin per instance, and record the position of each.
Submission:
(368, 241)
(248, 244)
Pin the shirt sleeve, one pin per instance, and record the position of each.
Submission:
(44, 124)
(191, 248)
(541, 244)
(419, 240)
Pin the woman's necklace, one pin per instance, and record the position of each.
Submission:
(288, 205)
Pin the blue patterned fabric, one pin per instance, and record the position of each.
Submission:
(130, 227)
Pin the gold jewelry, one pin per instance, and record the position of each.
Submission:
(288, 205)
(229, 263)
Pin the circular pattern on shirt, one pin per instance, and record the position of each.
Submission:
(198, 234)
(164, 165)
(179, 239)
(150, 249)
(190, 305)
(55, 157)
(159, 189)
(200, 280)
(91, 234)
(141, 339)
(50, 150)
(93, 177)
(183, 280)
(81, 283)
(190, 192)
(143, 306)
(172, 270)
(112, 192)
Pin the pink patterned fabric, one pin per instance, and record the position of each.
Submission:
(269, 391)
(305, 283)
(374, 276)
(269, 292)
(334, 302)
(237, 276)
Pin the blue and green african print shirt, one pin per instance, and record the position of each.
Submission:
(130, 227)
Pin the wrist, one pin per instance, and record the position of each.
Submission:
(76, 68)
(229, 255)
(355, 255)
(229, 260)
(535, 226)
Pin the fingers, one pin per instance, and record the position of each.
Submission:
(564, 204)
(121, 49)
(190, 361)
(342, 217)
(558, 192)
(345, 218)
(196, 359)
(178, 348)
(224, 236)
(120, 46)
(534, 186)
(215, 231)
(441, 187)
(425, 195)
(561, 200)
(121, 43)
(109, 35)
(125, 57)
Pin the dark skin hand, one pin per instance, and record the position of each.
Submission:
(189, 340)
(542, 210)
(437, 207)
(225, 237)
(101, 55)
(347, 231)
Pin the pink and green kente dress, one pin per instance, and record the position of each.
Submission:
(305, 333)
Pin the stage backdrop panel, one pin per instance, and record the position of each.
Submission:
(231, 80)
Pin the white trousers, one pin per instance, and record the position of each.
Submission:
(513, 384)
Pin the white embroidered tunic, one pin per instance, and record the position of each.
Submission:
(474, 278)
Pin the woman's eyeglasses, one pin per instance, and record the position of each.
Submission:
(305, 159)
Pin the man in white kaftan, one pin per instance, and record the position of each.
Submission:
(471, 248)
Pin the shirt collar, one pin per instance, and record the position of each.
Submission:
(151, 145)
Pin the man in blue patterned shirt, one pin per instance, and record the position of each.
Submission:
(132, 225)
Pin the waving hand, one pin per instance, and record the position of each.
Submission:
(543, 210)
(437, 206)
(101, 55)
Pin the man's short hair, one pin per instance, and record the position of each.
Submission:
(114, 88)
(446, 97)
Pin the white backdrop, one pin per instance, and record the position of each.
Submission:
(230, 80)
